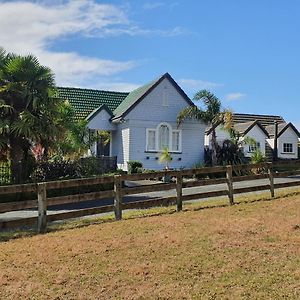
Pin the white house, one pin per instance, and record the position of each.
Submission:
(287, 140)
(261, 128)
(252, 129)
(142, 123)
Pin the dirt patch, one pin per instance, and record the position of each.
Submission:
(248, 251)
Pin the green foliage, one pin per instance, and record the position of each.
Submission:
(134, 166)
(31, 114)
(212, 114)
(257, 157)
(165, 157)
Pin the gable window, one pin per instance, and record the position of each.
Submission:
(163, 137)
(165, 100)
(287, 148)
(254, 147)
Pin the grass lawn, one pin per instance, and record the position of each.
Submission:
(247, 251)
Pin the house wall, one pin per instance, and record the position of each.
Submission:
(288, 136)
(161, 105)
(221, 134)
(120, 144)
(260, 137)
(101, 121)
(256, 133)
(192, 145)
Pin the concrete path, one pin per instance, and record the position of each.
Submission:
(140, 197)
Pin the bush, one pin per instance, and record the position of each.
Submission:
(134, 166)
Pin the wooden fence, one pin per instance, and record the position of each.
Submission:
(182, 179)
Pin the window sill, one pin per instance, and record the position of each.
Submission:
(288, 153)
(158, 151)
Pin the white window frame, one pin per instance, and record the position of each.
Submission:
(288, 152)
(253, 148)
(157, 137)
(147, 139)
(179, 141)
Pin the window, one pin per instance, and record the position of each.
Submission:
(163, 137)
(151, 139)
(165, 100)
(254, 147)
(287, 148)
(176, 140)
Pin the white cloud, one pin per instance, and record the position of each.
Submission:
(196, 84)
(27, 27)
(234, 96)
(153, 5)
(34, 26)
(113, 86)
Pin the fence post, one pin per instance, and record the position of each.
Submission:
(230, 184)
(179, 192)
(271, 178)
(118, 197)
(42, 207)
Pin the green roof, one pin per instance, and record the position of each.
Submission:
(132, 97)
(88, 102)
(137, 95)
(85, 101)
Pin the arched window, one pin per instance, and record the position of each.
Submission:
(163, 137)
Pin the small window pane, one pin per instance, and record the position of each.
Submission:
(287, 147)
(254, 147)
(151, 140)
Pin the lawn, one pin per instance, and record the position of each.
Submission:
(247, 251)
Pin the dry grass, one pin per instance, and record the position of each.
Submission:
(247, 251)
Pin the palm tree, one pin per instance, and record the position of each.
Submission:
(212, 115)
(29, 114)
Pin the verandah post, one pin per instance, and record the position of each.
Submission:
(42, 207)
(179, 192)
(118, 197)
(271, 179)
(230, 184)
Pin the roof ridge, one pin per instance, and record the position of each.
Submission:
(86, 89)
(257, 115)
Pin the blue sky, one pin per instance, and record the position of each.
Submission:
(246, 52)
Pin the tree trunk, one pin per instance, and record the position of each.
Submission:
(16, 156)
(214, 146)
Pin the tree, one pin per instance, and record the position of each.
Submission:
(213, 114)
(30, 114)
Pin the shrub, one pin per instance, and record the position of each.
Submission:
(134, 166)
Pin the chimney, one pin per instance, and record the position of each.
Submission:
(275, 151)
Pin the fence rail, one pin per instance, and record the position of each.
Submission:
(183, 179)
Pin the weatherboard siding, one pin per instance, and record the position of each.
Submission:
(101, 121)
(162, 104)
(260, 137)
(288, 136)
(192, 145)
(121, 144)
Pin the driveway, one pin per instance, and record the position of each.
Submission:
(141, 197)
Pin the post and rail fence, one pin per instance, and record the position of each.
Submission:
(182, 179)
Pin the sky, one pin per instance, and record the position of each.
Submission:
(245, 52)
